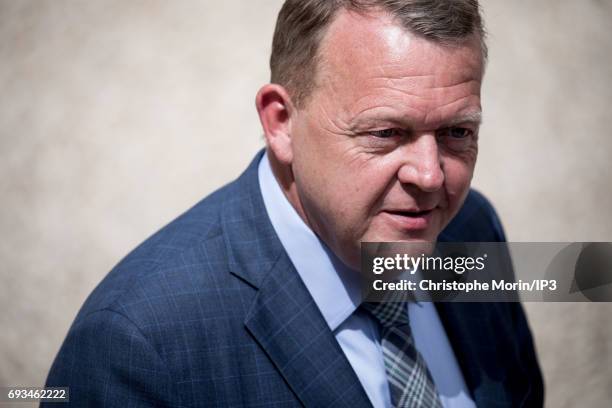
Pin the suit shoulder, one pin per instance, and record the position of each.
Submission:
(99, 353)
(185, 255)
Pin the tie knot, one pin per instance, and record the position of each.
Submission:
(388, 314)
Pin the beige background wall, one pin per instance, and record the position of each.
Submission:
(117, 115)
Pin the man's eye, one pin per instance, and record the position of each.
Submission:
(459, 132)
(386, 133)
(457, 139)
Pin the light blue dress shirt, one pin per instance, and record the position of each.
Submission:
(336, 291)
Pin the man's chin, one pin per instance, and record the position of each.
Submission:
(420, 236)
(392, 245)
(391, 242)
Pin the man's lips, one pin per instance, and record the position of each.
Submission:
(410, 220)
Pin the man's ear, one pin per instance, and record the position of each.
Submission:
(275, 112)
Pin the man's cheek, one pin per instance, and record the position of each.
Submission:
(458, 179)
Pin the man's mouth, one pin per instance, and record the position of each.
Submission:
(411, 213)
(410, 220)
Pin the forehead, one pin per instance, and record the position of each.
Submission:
(366, 57)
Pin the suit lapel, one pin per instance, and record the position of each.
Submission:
(288, 325)
(283, 317)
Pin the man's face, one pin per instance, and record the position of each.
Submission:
(385, 147)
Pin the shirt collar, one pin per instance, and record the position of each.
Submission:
(334, 287)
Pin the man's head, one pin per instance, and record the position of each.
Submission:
(372, 118)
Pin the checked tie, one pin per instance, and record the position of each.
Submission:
(410, 382)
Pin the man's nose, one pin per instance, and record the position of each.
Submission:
(421, 163)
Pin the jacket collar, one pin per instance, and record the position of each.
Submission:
(251, 243)
(335, 288)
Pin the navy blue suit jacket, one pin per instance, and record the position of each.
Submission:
(210, 312)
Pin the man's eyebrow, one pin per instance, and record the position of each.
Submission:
(366, 120)
(363, 122)
(472, 117)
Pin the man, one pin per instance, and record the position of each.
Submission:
(251, 298)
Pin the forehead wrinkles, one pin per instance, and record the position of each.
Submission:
(424, 99)
(427, 91)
